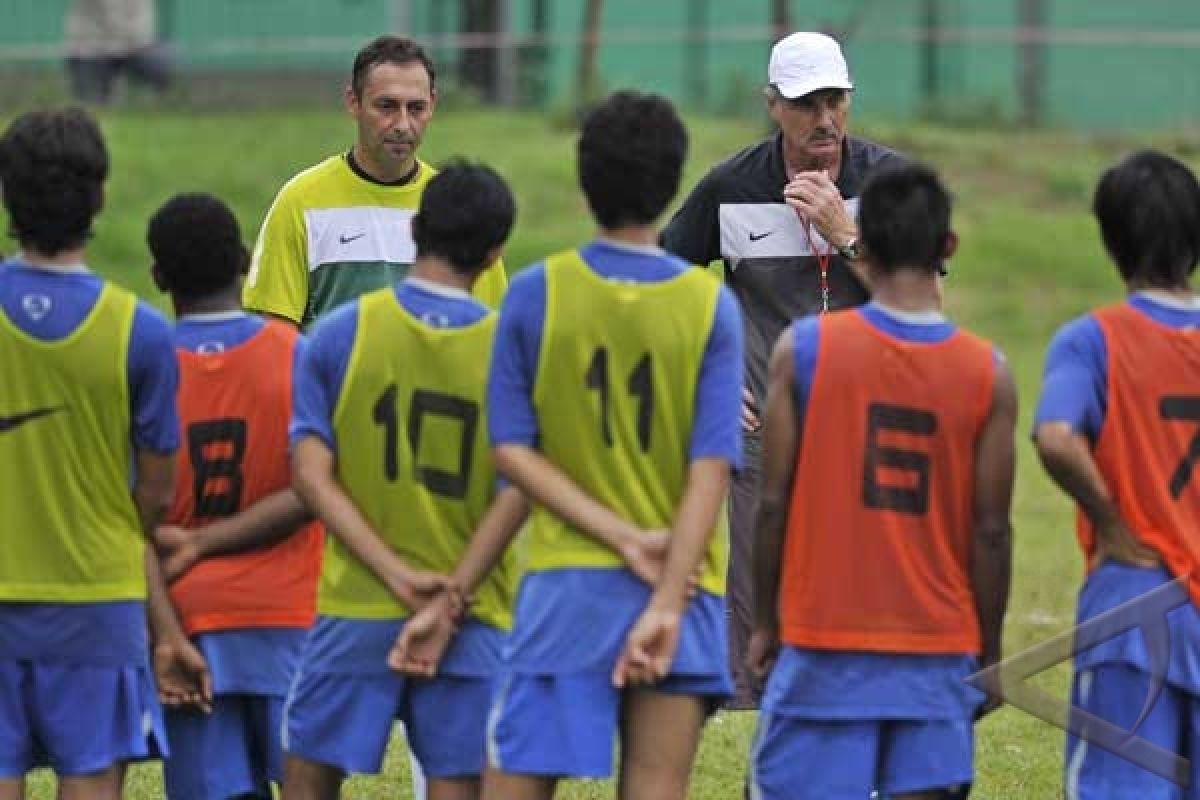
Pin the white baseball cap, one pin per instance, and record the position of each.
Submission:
(805, 62)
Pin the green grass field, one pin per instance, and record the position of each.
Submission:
(1030, 259)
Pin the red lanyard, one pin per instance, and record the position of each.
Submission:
(823, 260)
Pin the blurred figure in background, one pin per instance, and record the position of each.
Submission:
(108, 38)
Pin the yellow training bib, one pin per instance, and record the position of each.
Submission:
(413, 454)
(71, 532)
(615, 399)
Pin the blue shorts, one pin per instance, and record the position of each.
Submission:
(1116, 693)
(236, 749)
(798, 759)
(566, 725)
(233, 751)
(555, 711)
(77, 720)
(839, 723)
(344, 700)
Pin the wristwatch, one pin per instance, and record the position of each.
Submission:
(849, 250)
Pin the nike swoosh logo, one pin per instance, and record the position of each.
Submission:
(17, 420)
(754, 237)
(344, 239)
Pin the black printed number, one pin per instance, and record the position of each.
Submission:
(911, 499)
(640, 385)
(425, 403)
(1187, 409)
(216, 448)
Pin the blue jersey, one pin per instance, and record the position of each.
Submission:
(1075, 380)
(219, 331)
(826, 684)
(215, 332)
(511, 415)
(322, 366)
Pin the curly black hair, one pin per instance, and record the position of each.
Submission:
(904, 218)
(197, 245)
(53, 164)
(466, 212)
(631, 153)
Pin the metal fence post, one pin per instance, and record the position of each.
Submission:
(401, 19)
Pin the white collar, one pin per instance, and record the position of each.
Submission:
(61, 269)
(911, 317)
(437, 288)
(1168, 300)
(213, 316)
(644, 249)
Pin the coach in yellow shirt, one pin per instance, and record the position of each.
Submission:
(343, 227)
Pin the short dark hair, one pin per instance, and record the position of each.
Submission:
(53, 165)
(1148, 207)
(197, 245)
(631, 153)
(466, 212)
(388, 49)
(904, 218)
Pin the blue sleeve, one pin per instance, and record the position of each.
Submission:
(153, 374)
(806, 343)
(1075, 381)
(321, 365)
(717, 429)
(298, 354)
(511, 415)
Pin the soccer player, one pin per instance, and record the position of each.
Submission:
(343, 227)
(614, 403)
(240, 548)
(390, 452)
(883, 548)
(88, 390)
(1116, 430)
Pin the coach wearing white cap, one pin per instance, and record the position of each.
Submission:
(781, 214)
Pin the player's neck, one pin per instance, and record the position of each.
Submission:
(1177, 292)
(436, 270)
(64, 258)
(639, 235)
(224, 300)
(910, 290)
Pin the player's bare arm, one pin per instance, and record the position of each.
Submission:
(274, 517)
(179, 670)
(643, 551)
(314, 478)
(650, 646)
(1067, 457)
(427, 634)
(781, 440)
(991, 539)
(153, 487)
